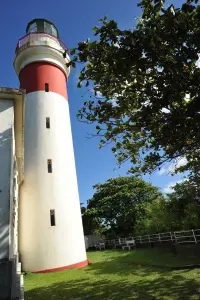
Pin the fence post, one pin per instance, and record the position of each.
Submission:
(171, 236)
(194, 236)
(149, 239)
(159, 238)
(175, 237)
(140, 240)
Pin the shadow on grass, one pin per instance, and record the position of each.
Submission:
(162, 288)
(116, 279)
(126, 263)
(83, 290)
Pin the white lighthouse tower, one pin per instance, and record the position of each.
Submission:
(50, 226)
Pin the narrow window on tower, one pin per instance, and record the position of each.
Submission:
(52, 217)
(46, 87)
(49, 165)
(47, 122)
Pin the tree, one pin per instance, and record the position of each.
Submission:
(141, 80)
(155, 219)
(118, 202)
(91, 225)
(184, 206)
(83, 209)
(180, 211)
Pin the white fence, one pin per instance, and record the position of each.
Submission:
(185, 236)
(188, 236)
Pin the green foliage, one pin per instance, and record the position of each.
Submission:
(180, 211)
(91, 225)
(127, 206)
(143, 75)
(156, 218)
(184, 206)
(118, 203)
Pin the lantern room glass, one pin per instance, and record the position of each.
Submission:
(42, 26)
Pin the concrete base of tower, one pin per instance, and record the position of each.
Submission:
(81, 264)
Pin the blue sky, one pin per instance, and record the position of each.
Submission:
(74, 20)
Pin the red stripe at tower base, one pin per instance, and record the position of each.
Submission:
(77, 265)
(34, 76)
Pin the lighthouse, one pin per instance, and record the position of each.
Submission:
(50, 226)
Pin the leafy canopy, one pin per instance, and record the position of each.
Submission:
(141, 80)
(118, 202)
(129, 206)
(184, 206)
(180, 211)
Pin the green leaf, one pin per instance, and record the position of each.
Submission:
(73, 64)
(94, 29)
(79, 84)
(72, 51)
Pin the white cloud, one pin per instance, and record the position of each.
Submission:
(166, 170)
(117, 45)
(187, 97)
(162, 171)
(114, 102)
(178, 163)
(168, 189)
(99, 94)
(198, 62)
(165, 110)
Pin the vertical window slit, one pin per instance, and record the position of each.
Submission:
(49, 165)
(52, 217)
(47, 122)
(46, 87)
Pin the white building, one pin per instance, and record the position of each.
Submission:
(37, 159)
(11, 177)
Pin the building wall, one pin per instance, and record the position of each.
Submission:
(42, 246)
(13, 249)
(6, 138)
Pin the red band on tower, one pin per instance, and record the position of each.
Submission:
(35, 76)
(77, 265)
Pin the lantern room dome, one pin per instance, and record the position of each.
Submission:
(42, 25)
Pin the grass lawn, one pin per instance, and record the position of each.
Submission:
(119, 275)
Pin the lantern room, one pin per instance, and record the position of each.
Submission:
(42, 26)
